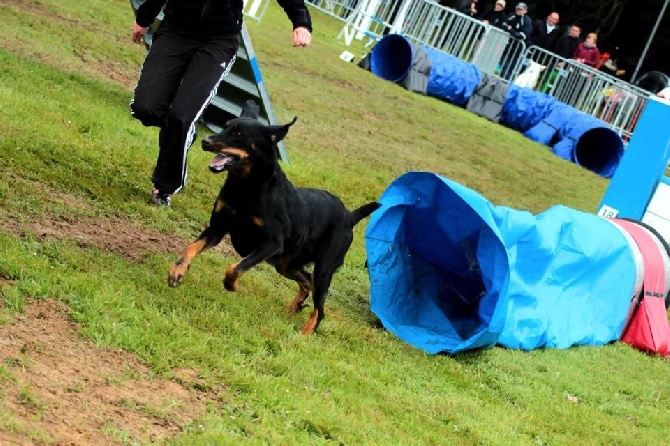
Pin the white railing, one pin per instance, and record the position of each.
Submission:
(425, 22)
(608, 98)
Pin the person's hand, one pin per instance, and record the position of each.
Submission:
(485, 22)
(301, 36)
(138, 32)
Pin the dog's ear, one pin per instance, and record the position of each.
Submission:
(278, 132)
(250, 109)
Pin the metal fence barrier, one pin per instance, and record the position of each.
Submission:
(495, 52)
(339, 9)
(370, 19)
(255, 8)
(608, 98)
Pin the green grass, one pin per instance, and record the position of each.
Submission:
(69, 148)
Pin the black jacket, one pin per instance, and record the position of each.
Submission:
(495, 18)
(565, 46)
(520, 27)
(541, 38)
(465, 7)
(212, 17)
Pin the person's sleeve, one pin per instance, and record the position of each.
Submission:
(148, 11)
(297, 13)
(527, 29)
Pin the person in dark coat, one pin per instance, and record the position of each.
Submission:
(496, 16)
(519, 27)
(467, 7)
(566, 45)
(546, 32)
(191, 52)
(519, 24)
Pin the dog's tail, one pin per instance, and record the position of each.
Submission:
(363, 211)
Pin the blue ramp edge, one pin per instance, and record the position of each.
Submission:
(451, 272)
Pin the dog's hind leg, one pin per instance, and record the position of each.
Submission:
(324, 269)
(304, 280)
(321, 285)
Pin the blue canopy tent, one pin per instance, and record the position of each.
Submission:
(451, 272)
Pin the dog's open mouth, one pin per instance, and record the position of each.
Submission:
(221, 161)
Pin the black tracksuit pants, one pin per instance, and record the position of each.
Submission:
(179, 77)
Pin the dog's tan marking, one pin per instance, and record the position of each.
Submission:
(241, 154)
(231, 280)
(311, 324)
(219, 205)
(257, 221)
(179, 268)
(245, 170)
(298, 302)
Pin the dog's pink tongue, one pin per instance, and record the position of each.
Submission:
(219, 161)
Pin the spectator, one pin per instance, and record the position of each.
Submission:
(519, 24)
(610, 63)
(546, 32)
(496, 16)
(467, 7)
(519, 27)
(587, 51)
(566, 45)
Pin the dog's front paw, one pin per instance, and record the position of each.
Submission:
(231, 284)
(231, 279)
(177, 272)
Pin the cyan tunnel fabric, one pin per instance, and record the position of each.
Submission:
(450, 272)
(572, 134)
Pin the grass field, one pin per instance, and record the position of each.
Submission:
(75, 229)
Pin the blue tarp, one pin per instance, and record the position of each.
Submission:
(450, 272)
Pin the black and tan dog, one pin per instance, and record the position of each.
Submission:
(271, 220)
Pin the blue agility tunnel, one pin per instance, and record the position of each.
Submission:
(448, 77)
(580, 138)
(392, 58)
(524, 108)
(588, 142)
(572, 134)
(451, 272)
